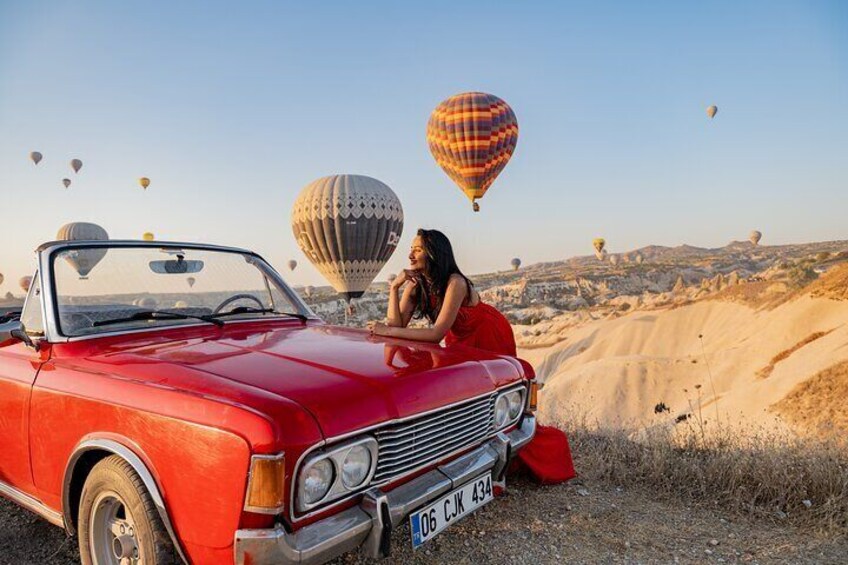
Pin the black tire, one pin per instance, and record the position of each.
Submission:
(120, 490)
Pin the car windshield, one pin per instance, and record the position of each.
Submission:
(109, 289)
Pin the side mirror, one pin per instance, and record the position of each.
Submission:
(10, 333)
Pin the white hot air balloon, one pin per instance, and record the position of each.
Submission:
(83, 260)
(348, 226)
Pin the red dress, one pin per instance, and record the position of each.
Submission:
(547, 457)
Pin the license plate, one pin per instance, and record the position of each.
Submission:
(432, 519)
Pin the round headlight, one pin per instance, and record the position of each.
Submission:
(514, 399)
(316, 480)
(356, 465)
(501, 411)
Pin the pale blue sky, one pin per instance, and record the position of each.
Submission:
(231, 109)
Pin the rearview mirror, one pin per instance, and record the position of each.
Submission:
(178, 266)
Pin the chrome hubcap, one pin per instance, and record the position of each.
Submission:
(112, 537)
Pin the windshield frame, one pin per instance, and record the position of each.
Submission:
(47, 255)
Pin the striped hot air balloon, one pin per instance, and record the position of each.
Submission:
(348, 226)
(472, 137)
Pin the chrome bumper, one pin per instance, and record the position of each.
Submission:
(371, 523)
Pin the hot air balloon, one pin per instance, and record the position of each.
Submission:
(472, 137)
(144, 182)
(292, 264)
(76, 165)
(613, 260)
(35, 157)
(1, 278)
(191, 281)
(180, 304)
(66, 182)
(24, 283)
(598, 243)
(516, 263)
(308, 290)
(639, 259)
(755, 237)
(348, 226)
(83, 260)
(147, 236)
(712, 111)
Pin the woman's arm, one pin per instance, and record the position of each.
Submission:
(400, 311)
(456, 292)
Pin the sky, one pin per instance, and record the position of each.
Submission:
(232, 108)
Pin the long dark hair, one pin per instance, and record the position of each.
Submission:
(433, 282)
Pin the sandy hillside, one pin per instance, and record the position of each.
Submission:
(617, 370)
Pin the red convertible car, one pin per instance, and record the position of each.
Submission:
(170, 402)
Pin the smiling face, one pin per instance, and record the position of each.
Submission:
(417, 255)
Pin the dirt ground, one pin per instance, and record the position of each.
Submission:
(580, 522)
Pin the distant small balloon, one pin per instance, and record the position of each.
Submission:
(144, 182)
(639, 259)
(599, 243)
(191, 281)
(755, 237)
(308, 290)
(66, 182)
(76, 165)
(712, 111)
(292, 264)
(613, 260)
(24, 283)
(147, 236)
(1, 278)
(516, 263)
(35, 157)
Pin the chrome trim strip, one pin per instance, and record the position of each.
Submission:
(295, 518)
(261, 509)
(33, 505)
(138, 466)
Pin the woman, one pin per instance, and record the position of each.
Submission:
(434, 288)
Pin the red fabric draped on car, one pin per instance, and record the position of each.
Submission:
(547, 457)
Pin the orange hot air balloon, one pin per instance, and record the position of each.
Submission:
(472, 137)
(144, 182)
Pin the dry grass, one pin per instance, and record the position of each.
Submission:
(766, 371)
(818, 405)
(761, 475)
(833, 285)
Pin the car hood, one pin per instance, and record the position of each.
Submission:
(345, 378)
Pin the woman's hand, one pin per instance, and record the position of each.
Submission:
(377, 328)
(404, 277)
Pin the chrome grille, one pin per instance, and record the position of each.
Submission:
(408, 445)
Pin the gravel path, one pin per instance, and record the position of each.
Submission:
(574, 523)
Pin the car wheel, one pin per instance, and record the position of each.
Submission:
(118, 522)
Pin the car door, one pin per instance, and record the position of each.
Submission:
(19, 365)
